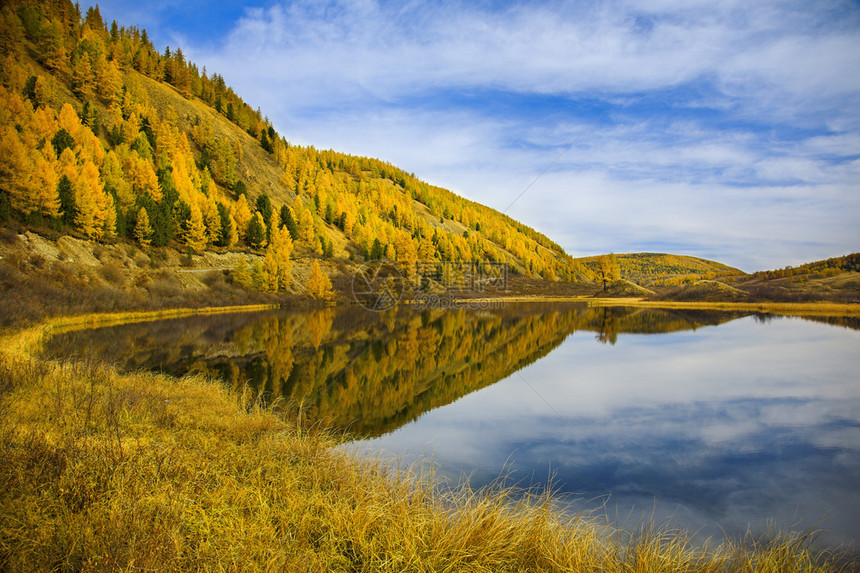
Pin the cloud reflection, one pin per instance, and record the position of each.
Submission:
(722, 427)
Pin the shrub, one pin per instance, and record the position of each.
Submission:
(113, 274)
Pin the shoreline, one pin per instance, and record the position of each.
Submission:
(786, 308)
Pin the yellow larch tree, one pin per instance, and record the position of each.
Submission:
(270, 272)
(242, 215)
(318, 285)
(89, 147)
(426, 250)
(69, 166)
(142, 176)
(90, 201)
(143, 229)
(83, 77)
(280, 249)
(109, 217)
(44, 182)
(304, 222)
(44, 124)
(113, 175)
(210, 218)
(195, 232)
(110, 83)
(390, 252)
(406, 253)
(183, 182)
(15, 167)
(69, 120)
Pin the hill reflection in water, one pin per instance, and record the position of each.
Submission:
(360, 371)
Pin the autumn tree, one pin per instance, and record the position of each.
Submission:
(281, 248)
(83, 78)
(242, 214)
(318, 285)
(110, 83)
(90, 202)
(406, 254)
(195, 230)
(607, 269)
(143, 230)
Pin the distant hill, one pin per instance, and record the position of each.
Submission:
(661, 269)
(836, 279)
(104, 137)
(818, 269)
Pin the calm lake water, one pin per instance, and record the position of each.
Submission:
(718, 421)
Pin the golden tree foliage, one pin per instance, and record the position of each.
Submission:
(143, 230)
(146, 155)
(114, 176)
(278, 253)
(110, 83)
(242, 215)
(109, 217)
(90, 201)
(142, 176)
(195, 231)
(14, 168)
(69, 120)
(43, 188)
(318, 285)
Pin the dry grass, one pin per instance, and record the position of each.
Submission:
(106, 471)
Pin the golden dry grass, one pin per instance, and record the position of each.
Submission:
(101, 470)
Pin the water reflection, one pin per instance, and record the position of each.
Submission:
(723, 427)
(363, 371)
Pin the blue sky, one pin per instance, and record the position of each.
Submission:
(726, 130)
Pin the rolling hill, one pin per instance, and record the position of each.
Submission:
(661, 269)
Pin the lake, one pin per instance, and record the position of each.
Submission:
(719, 422)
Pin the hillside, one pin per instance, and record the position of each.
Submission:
(661, 269)
(141, 156)
(105, 138)
(836, 279)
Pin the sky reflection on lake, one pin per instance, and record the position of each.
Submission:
(721, 427)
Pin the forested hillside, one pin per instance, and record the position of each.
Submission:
(818, 269)
(103, 136)
(657, 269)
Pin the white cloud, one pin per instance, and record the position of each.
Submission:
(717, 126)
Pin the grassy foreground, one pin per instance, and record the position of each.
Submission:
(101, 470)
